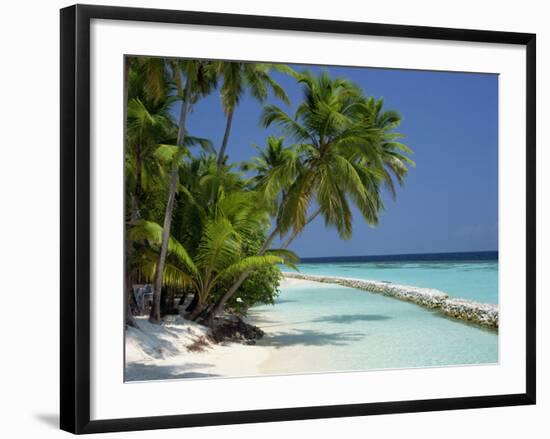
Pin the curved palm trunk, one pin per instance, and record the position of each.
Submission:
(194, 302)
(197, 312)
(223, 300)
(221, 303)
(221, 153)
(130, 321)
(129, 287)
(154, 317)
(297, 232)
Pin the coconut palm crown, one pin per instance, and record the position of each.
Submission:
(239, 77)
(340, 154)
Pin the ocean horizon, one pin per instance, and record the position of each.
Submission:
(465, 275)
(486, 255)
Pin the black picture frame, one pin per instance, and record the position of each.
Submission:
(75, 217)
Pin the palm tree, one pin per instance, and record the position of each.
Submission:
(197, 76)
(201, 187)
(148, 122)
(147, 78)
(218, 257)
(394, 163)
(235, 215)
(276, 169)
(239, 76)
(335, 142)
(145, 260)
(147, 126)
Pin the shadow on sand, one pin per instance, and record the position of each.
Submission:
(148, 372)
(351, 318)
(281, 301)
(262, 322)
(309, 337)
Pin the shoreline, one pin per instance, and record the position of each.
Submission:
(482, 314)
(160, 352)
(156, 352)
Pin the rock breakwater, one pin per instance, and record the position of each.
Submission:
(483, 314)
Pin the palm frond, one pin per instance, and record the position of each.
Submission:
(150, 231)
(290, 259)
(249, 263)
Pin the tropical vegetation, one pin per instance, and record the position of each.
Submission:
(201, 228)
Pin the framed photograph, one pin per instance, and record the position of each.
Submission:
(268, 219)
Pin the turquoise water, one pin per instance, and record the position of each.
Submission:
(474, 280)
(321, 328)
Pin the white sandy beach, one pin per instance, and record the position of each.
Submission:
(161, 352)
(315, 327)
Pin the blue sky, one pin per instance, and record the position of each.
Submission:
(450, 200)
